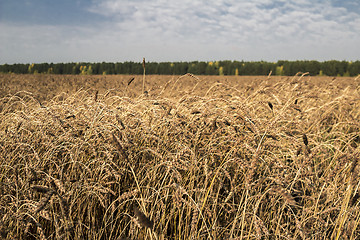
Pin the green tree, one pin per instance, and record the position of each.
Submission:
(354, 68)
(279, 70)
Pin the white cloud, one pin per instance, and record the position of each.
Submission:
(199, 30)
(226, 21)
(45, 43)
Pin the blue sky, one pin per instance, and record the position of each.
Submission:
(173, 30)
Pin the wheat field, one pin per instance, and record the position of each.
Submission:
(193, 157)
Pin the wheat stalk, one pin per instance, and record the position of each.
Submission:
(143, 65)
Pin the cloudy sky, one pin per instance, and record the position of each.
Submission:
(178, 30)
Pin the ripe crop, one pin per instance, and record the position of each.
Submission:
(94, 157)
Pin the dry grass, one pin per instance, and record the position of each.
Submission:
(200, 158)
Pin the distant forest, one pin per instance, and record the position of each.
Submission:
(288, 68)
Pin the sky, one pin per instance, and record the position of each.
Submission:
(36, 31)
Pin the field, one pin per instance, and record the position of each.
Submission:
(193, 157)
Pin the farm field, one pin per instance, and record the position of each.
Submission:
(195, 157)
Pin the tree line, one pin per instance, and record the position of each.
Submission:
(288, 68)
